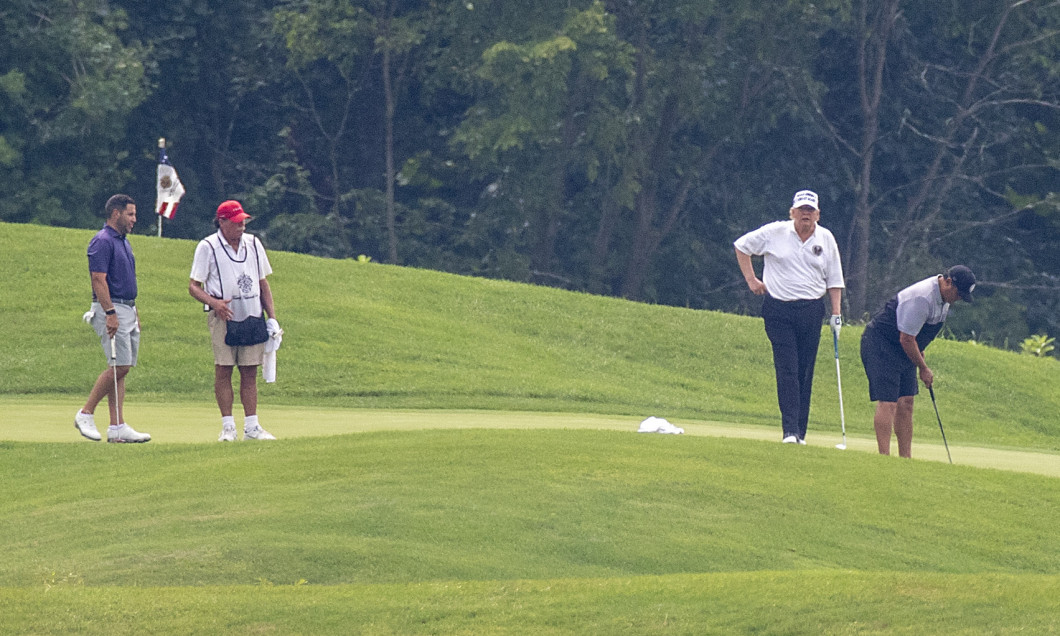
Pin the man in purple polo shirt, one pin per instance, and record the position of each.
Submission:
(113, 316)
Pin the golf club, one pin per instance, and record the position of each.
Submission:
(839, 383)
(933, 403)
(114, 372)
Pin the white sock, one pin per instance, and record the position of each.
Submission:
(116, 426)
(228, 421)
(249, 422)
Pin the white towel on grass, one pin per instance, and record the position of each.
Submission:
(659, 425)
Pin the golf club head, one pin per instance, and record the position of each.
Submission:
(841, 446)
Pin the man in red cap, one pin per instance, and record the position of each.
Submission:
(228, 276)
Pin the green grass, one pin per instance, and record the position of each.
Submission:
(487, 530)
(458, 456)
(376, 336)
(695, 604)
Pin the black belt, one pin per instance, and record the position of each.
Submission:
(124, 301)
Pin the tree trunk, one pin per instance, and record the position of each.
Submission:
(388, 92)
(872, 57)
(654, 165)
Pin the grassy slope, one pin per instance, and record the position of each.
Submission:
(480, 531)
(379, 336)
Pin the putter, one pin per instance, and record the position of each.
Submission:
(839, 384)
(933, 403)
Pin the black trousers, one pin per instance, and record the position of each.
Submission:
(794, 330)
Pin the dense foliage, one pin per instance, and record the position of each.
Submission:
(607, 146)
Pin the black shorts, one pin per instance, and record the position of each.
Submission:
(891, 373)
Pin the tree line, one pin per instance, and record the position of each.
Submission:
(609, 146)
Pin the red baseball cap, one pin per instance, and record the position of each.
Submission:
(232, 211)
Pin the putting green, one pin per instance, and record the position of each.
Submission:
(38, 419)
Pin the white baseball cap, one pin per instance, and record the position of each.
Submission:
(805, 197)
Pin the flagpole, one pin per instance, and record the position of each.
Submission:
(161, 146)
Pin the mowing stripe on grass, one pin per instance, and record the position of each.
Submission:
(52, 421)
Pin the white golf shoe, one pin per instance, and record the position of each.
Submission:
(256, 432)
(124, 434)
(790, 439)
(85, 423)
(228, 434)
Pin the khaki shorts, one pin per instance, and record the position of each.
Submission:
(226, 356)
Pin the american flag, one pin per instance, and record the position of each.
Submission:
(170, 190)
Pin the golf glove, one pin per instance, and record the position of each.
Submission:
(836, 321)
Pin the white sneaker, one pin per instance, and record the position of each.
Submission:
(124, 434)
(256, 432)
(802, 441)
(85, 423)
(228, 434)
(790, 439)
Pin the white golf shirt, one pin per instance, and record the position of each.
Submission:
(795, 270)
(920, 304)
(232, 274)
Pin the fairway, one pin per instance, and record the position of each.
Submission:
(187, 423)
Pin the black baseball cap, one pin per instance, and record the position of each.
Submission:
(963, 279)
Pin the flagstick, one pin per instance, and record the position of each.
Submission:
(161, 148)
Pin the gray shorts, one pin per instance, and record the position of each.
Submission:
(226, 356)
(126, 341)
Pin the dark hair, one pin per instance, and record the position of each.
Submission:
(118, 202)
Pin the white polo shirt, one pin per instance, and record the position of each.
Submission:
(795, 270)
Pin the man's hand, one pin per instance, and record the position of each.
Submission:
(836, 322)
(756, 286)
(112, 324)
(926, 376)
(220, 307)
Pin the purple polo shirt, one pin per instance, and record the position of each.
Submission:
(111, 254)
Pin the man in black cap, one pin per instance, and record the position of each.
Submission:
(892, 350)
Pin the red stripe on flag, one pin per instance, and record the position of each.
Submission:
(167, 211)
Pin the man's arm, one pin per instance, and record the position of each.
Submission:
(102, 293)
(266, 299)
(835, 295)
(748, 271)
(219, 305)
(912, 350)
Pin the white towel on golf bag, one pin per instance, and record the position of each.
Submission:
(659, 425)
(268, 365)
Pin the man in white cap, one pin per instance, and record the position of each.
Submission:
(892, 350)
(228, 275)
(802, 266)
